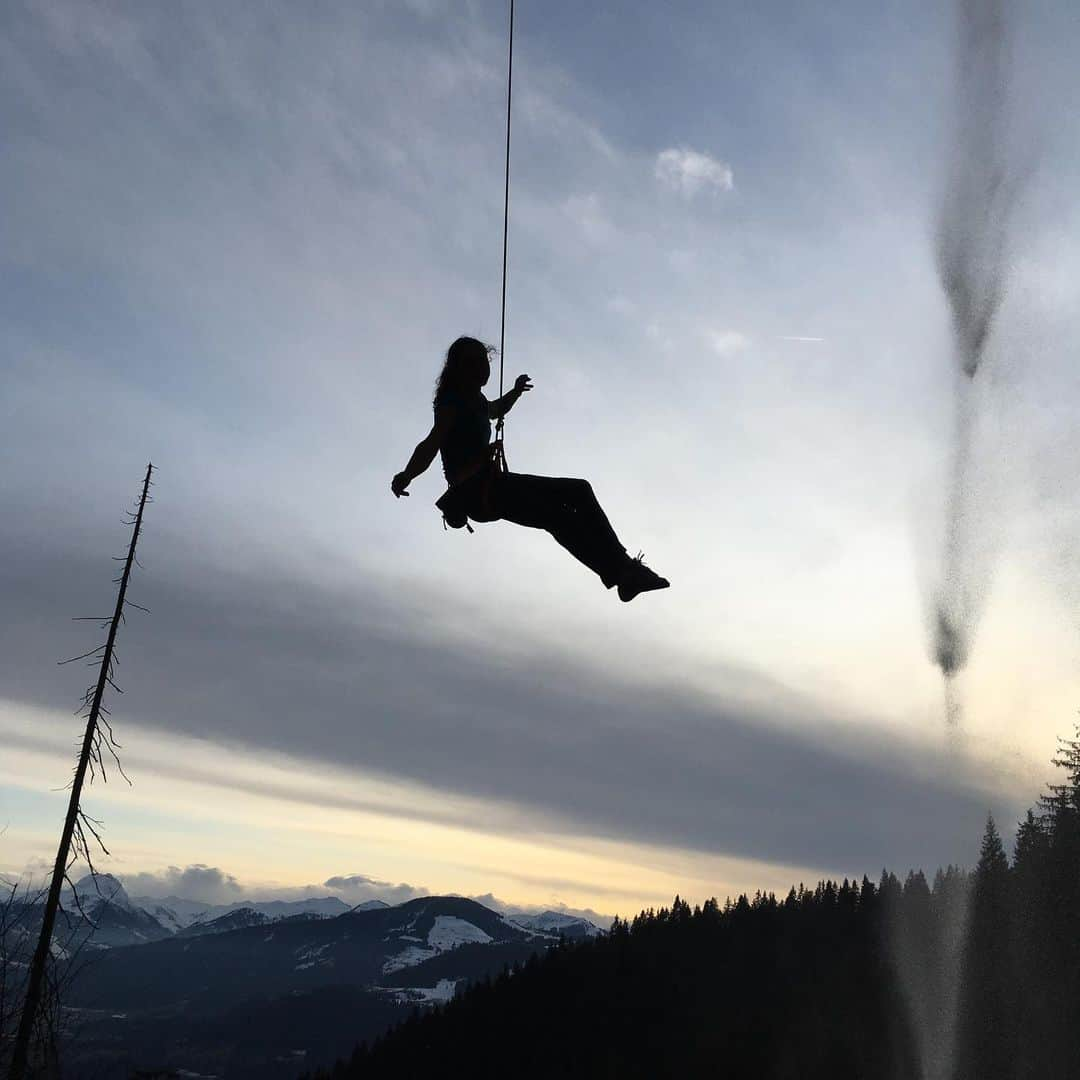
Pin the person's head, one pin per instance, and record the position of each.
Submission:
(467, 367)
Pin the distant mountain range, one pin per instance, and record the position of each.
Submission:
(119, 919)
(176, 913)
(239, 990)
(384, 946)
(126, 920)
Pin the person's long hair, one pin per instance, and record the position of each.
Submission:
(461, 360)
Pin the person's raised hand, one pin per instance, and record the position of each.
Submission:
(522, 383)
(399, 484)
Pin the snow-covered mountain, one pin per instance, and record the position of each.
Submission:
(556, 923)
(98, 910)
(231, 920)
(98, 889)
(174, 911)
(178, 913)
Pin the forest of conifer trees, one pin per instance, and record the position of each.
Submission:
(975, 976)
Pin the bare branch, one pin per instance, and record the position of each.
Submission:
(71, 660)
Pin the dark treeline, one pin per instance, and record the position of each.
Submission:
(971, 977)
(1020, 1001)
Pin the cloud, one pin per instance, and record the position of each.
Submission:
(357, 888)
(689, 172)
(728, 342)
(381, 683)
(589, 219)
(208, 884)
(212, 885)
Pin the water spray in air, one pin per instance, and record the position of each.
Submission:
(972, 261)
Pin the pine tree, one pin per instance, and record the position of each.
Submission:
(1063, 800)
(986, 1047)
(1061, 907)
(1035, 953)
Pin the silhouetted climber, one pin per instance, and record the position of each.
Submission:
(481, 489)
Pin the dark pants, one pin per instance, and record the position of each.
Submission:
(565, 508)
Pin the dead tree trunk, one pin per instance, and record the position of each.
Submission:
(76, 820)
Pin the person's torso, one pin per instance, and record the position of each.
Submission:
(466, 443)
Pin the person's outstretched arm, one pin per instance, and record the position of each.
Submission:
(501, 406)
(425, 451)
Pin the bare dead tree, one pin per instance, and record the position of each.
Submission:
(21, 907)
(79, 828)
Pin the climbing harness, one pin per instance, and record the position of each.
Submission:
(473, 493)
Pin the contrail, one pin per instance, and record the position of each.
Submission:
(973, 266)
(792, 337)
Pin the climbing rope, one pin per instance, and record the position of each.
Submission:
(500, 454)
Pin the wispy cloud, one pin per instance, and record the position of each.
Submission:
(621, 305)
(728, 342)
(690, 172)
(589, 219)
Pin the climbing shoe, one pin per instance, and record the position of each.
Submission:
(638, 578)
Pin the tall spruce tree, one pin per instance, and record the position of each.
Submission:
(986, 1045)
(1061, 890)
(1035, 955)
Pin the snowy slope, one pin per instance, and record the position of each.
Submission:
(555, 922)
(442, 992)
(449, 932)
(443, 932)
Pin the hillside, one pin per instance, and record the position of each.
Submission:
(973, 977)
(242, 996)
(797, 988)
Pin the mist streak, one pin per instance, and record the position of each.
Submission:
(972, 261)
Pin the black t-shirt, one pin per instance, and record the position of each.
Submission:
(468, 440)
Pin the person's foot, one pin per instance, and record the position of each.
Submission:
(638, 578)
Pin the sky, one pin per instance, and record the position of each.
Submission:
(237, 240)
